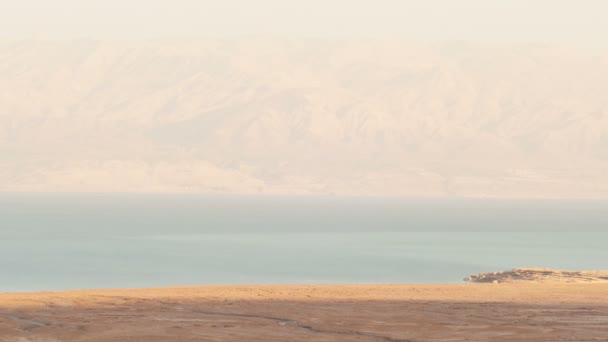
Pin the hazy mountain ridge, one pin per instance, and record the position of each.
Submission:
(303, 116)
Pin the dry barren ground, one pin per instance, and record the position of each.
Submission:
(416, 313)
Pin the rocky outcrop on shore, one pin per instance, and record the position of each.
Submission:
(539, 275)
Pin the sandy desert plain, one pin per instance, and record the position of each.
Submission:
(513, 311)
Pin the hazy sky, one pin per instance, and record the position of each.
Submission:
(553, 21)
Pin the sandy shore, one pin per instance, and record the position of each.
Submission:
(469, 312)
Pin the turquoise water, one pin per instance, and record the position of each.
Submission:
(52, 242)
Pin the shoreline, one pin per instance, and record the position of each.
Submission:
(535, 291)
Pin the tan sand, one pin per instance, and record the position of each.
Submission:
(468, 312)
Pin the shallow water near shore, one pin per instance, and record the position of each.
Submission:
(56, 242)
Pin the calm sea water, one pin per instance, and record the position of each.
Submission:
(53, 242)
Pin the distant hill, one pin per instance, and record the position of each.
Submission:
(303, 116)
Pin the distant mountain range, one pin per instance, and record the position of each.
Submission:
(280, 116)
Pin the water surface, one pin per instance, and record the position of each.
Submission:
(68, 241)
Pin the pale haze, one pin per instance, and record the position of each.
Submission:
(365, 98)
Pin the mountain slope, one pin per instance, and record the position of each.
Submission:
(303, 116)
